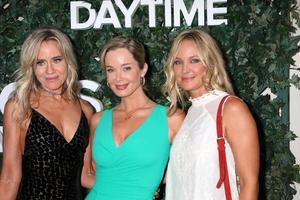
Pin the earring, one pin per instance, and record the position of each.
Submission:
(107, 84)
(143, 81)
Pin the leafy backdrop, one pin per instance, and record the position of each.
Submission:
(257, 46)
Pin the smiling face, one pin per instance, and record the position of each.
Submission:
(51, 68)
(123, 72)
(188, 69)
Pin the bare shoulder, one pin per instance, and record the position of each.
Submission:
(238, 119)
(174, 123)
(10, 104)
(12, 113)
(87, 108)
(95, 119)
(177, 116)
(12, 126)
(10, 108)
(235, 106)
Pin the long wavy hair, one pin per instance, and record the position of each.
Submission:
(211, 57)
(27, 83)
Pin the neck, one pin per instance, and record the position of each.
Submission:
(129, 113)
(137, 104)
(133, 101)
(198, 93)
(54, 93)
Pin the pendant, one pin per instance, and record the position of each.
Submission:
(127, 117)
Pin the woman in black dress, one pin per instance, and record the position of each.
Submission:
(45, 124)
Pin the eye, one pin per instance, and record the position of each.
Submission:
(195, 60)
(178, 62)
(57, 59)
(126, 68)
(40, 63)
(109, 70)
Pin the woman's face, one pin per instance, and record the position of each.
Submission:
(122, 72)
(188, 69)
(51, 69)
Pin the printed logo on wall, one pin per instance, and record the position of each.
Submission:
(107, 14)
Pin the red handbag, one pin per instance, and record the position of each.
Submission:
(224, 178)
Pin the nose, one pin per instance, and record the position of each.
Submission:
(119, 75)
(49, 69)
(185, 68)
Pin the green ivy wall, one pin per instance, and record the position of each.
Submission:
(257, 46)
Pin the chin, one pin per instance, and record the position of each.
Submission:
(121, 93)
(188, 87)
(124, 93)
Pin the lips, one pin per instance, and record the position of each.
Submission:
(187, 78)
(51, 78)
(121, 87)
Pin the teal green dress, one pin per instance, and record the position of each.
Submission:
(134, 170)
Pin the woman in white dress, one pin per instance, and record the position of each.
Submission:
(195, 69)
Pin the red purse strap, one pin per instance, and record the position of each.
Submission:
(224, 178)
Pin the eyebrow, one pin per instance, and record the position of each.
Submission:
(55, 57)
(51, 58)
(125, 64)
(193, 56)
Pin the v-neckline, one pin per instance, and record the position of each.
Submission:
(132, 134)
(57, 130)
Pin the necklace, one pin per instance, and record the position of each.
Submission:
(211, 92)
(129, 114)
(52, 93)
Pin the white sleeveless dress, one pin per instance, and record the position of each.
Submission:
(193, 170)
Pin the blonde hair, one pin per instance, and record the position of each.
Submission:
(26, 82)
(210, 55)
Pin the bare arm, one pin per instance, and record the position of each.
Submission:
(241, 134)
(174, 123)
(12, 155)
(88, 171)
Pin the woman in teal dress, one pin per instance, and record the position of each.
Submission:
(132, 140)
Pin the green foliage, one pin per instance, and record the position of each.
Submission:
(257, 44)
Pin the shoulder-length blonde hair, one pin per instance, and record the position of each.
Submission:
(27, 83)
(210, 55)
